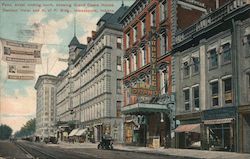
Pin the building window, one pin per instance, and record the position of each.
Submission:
(163, 44)
(186, 69)
(196, 64)
(118, 86)
(213, 58)
(143, 27)
(118, 108)
(119, 42)
(186, 99)
(215, 93)
(134, 62)
(127, 40)
(248, 75)
(153, 18)
(127, 66)
(196, 100)
(163, 82)
(248, 86)
(163, 11)
(228, 91)
(248, 39)
(226, 53)
(143, 56)
(135, 35)
(119, 63)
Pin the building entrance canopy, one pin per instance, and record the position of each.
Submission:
(188, 128)
(143, 108)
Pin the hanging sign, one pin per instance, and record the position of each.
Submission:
(21, 52)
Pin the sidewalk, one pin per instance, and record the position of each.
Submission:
(201, 154)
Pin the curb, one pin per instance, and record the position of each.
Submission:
(158, 154)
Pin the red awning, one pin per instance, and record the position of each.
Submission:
(188, 128)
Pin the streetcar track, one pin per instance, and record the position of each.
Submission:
(28, 152)
(28, 155)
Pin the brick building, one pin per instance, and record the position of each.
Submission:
(149, 27)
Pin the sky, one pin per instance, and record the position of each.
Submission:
(50, 23)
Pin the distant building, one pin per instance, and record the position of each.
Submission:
(89, 93)
(212, 80)
(45, 108)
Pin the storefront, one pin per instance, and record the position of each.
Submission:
(244, 129)
(219, 129)
(152, 128)
(189, 131)
(131, 131)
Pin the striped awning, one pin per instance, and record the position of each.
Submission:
(188, 128)
(218, 121)
(73, 132)
(80, 132)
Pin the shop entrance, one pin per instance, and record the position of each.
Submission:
(246, 133)
(220, 137)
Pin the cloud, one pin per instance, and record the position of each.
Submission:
(47, 32)
(87, 22)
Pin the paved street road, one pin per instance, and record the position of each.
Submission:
(23, 149)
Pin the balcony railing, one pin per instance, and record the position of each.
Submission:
(210, 19)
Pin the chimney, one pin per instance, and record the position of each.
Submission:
(93, 34)
(89, 39)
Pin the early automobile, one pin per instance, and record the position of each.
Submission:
(106, 143)
(51, 139)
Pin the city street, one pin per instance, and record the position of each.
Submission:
(23, 149)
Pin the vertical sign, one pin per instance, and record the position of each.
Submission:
(153, 63)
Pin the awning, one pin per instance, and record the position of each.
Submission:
(80, 132)
(97, 124)
(73, 132)
(218, 121)
(188, 128)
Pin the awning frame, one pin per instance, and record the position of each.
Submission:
(195, 128)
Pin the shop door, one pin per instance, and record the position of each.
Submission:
(246, 134)
(182, 140)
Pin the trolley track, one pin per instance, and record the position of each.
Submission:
(32, 151)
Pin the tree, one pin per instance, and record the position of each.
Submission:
(5, 132)
(28, 129)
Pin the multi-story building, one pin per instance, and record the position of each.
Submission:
(147, 72)
(212, 80)
(148, 29)
(45, 109)
(90, 92)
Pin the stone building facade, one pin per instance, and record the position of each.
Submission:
(212, 80)
(45, 108)
(89, 94)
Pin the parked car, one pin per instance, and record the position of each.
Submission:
(51, 139)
